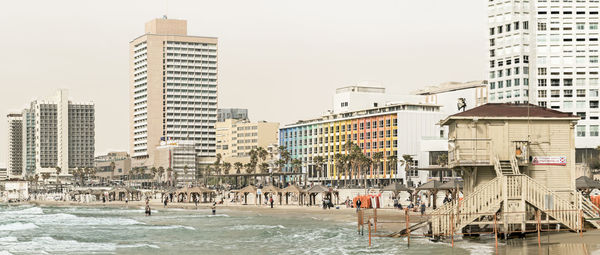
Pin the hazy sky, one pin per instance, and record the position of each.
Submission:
(280, 59)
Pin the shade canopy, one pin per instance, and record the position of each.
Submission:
(453, 184)
(248, 189)
(585, 182)
(430, 185)
(396, 187)
(199, 190)
(270, 189)
(292, 189)
(317, 189)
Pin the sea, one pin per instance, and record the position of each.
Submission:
(26, 229)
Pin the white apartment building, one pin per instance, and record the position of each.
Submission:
(236, 138)
(173, 89)
(546, 52)
(15, 140)
(181, 158)
(54, 133)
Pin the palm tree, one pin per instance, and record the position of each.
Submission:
(57, 173)
(406, 162)
(161, 171)
(238, 169)
(262, 153)
(296, 166)
(264, 169)
(170, 176)
(318, 161)
(377, 157)
(226, 167)
(154, 172)
(392, 161)
(340, 160)
(45, 177)
(365, 165)
(250, 168)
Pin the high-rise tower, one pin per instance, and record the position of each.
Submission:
(173, 89)
(546, 52)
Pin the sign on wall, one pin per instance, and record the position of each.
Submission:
(549, 160)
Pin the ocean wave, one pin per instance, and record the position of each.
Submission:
(5, 253)
(255, 227)
(8, 239)
(17, 226)
(141, 245)
(40, 245)
(27, 211)
(171, 227)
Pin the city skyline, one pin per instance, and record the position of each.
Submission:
(285, 63)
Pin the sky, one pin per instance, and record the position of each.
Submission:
(280, 59)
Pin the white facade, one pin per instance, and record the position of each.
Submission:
(55, 133)
(15, 139)
(356, 98)
(546, 52)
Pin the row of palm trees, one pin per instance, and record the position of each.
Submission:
(351, 164)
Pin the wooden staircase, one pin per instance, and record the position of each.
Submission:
(488, 198)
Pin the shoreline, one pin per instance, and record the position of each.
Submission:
(559, 241)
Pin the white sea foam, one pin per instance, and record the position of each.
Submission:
(5, 253)
(8, 239)
(17, 226)
(255, 227)
(172, 227)
(41, 245)
(142, 245)
(27, 211)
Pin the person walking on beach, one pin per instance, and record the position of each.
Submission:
(271, 201)
(422, 209)
(214, 209)
(166, 201)
(196, 201)
(358, 204)
(126, 200)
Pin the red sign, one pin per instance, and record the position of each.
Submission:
(549, 160)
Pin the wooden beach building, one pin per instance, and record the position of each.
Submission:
(516, 161)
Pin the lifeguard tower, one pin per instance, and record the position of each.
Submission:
(516, 161)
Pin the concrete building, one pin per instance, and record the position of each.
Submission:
(122, 166)
(235, 138)
(173, 89)
(3, 173)
(179, 157)
(15, 141)
(546, 53)
(232, 113)
(382, 123)
(55, 133)
(514, 159)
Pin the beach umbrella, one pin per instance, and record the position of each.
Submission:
(432, 187)
(585, 182)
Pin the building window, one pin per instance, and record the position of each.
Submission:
(517, 81)
(542, 103)
(594, 104)
(555, 93)
(580, 130)
(580, 26)
(492, 85)
(568, 93)
(593, 130)
(567, 104)
(567, 82)
(593, 81)
(541, 71)
(581, 115)
(581, 93)
(542, 82)
(541, 26)
(542, 93)
(517, 93)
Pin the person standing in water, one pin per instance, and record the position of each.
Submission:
(214, 209)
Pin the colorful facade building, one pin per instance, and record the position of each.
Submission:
(392, 129)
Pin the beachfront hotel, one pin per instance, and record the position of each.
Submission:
(15, 145)
(52, 133)
(173, 90)
(546, 52)
(371, 119)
